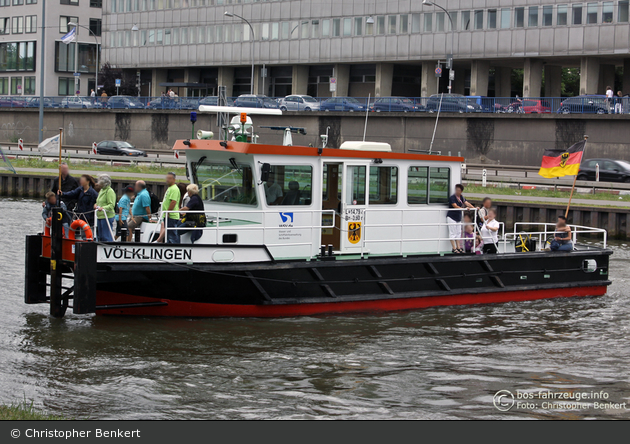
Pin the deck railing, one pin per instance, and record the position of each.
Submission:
(521, 228)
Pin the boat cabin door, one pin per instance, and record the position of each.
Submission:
(354, 198)
(331, 200)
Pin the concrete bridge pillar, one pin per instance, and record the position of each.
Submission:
(589, 76)
(479, 72)
(226, 78)
(626, 76)
(384, 79)
(459, 84)
(502, 81)
(553, 81)
(532, 78)
(428, 81)
(158, 76)
(299, 83)
(342, 74)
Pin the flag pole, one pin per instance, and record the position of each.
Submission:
(59, 165)
(566, 213)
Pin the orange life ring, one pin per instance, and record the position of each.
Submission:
(49, 225)
(80, 224)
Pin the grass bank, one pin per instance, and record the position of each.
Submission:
(25, 411)
(150, 168)
(505, 191)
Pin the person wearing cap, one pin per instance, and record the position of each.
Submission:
(124, 205)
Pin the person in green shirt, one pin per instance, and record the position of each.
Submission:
(170, 203)
(105, 203)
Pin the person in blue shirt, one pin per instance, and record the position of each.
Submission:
(85, 198)
(141, 208)
(124, 205)
(454, 218)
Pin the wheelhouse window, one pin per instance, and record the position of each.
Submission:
(227, 183)
(289, 185)
(427, 185)
(355, 184)
(383, 185)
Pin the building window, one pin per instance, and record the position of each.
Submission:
(547, 16)
(336, 27)
(391, 24)
(415, 23)
(167, 35)
(285, 30)
(576, 11)
(31, 24)
(18, 2)
(380, 25)
(428, 22)
(99, 4)
(492, 18)
(5, 2)
(347, 27)
(275, 31)
(66, 85)
(29, 86)
(16, 86)
(315, 28)
(478, 19)
(63, 23)
(591, 13)
(622, 12)
(70, 2)
(561, 15)
(31, 2)
(64, 57)
(532, 21)
(607, 12)
(519, 17)
(4, 85)
(383, 185)
(369, 27)
(439, 21)
(358, 26)
(404, 24)
(95, 26)
(465, 20)
(5, 25)
(506, 19)
(17, 56)
(325, 28)
(18, 25)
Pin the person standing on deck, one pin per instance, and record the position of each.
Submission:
(141, 208)
(170, 203)
(454, 218)
(105, 203)
(68, 183)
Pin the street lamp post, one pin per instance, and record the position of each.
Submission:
(305, 22)
(231, 14)
(450, 19)
(96, 49)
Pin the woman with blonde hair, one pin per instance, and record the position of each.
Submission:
(190, 220)
(105, 204)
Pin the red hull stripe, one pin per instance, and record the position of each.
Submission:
(550, 162)
(198, 309)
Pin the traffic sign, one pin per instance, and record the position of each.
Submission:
(438, 71)
(451, 74)
(118, 82)
(76, 74)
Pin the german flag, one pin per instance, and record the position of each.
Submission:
(558, 163)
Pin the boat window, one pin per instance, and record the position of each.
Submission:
(383, 185)
(417, 180)
(289, 185)
(439, 183)
(355, 191)
(223, 183)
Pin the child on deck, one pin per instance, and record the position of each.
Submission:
(473, 243)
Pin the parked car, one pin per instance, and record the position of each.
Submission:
(452, 103)
(161, 103)
(528, 106)
(396, 104)
(118, 148)
(487, 103)
(33, 102)
(12, 102)
(187, 103)
(214, 101)
(588, 104)
(76, 102)
(298, 103)
(255, 101)
(609, 170)
(124, 102)
(342, 104)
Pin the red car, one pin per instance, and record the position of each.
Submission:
(528, 106)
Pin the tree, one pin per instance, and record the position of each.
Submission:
(107, 77)
(570, 82)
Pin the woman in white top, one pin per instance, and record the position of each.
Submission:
(490, 233)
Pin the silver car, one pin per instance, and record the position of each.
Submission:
(298, 103)
(76, 102)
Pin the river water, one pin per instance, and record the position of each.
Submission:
(431, 364)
